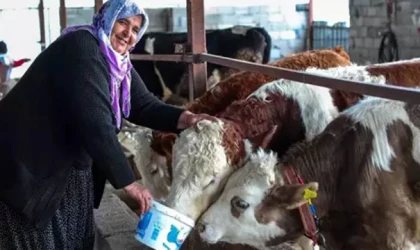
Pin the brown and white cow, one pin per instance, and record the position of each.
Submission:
(154, 150)
(206, 155)
(241, 85)
(365, 168)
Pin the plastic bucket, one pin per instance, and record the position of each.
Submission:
(163, 228)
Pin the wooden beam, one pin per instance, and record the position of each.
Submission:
(63, 15)
(310, 25)
(197, 71)
(41, 24)
(98, 4)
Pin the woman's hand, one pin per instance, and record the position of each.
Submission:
(141, 195)
(188, 119)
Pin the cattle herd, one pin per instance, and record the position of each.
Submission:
(281, 148)
(169, 80)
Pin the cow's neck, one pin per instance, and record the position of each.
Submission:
(233, 142)
(253, 116)
(320, 165)
(333, 159)
(344, 99)
(320, 168)
(290, 125)
(256, 117)
(316, 168)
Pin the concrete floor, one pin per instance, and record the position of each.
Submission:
(100, 243)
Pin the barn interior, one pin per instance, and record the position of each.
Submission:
(257, 32)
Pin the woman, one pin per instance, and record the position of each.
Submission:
(62, 119)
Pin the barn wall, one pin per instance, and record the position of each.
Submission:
(159, 20)
(285, 24)
(368, 20)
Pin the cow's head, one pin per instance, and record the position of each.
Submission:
(154, 164)
(204, 156)
(256, 207)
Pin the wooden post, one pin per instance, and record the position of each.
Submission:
(63, 15)
(197, 71)
(310, 24)
(41, 24)
(98, 4)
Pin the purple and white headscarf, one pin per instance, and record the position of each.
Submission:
(119, 65)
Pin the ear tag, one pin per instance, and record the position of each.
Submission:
(309, 194)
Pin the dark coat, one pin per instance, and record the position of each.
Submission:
(59, 116)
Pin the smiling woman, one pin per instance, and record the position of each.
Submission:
(59, 144)
(124, 33)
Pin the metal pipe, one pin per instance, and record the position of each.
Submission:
(165, 58)
(385, 91)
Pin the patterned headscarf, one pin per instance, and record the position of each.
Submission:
(119, 65)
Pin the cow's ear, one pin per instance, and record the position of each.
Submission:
(168, 142)
(291, 196)
(163, 142)
(262, 140)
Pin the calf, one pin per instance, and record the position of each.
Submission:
(405, 73)
(365, 168)
(239, 86)
(151, 164)
(204, 156)
(154, 151)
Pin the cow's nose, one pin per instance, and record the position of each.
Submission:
(201, 227)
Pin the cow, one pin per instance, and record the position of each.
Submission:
(241, 85)
(205, 155)
(363, 171)
(240, 42)
(403, 73)
(154, 149)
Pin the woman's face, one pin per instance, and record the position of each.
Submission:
(124, 33)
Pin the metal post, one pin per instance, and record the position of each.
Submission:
(41, 24)
(197, 71)
(63, 15)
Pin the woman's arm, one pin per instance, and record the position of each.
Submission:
(148, 111)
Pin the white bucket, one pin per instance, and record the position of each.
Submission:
(163, 228)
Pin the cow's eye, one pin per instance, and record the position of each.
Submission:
(239, 203)
(153, 171)
(210, 183)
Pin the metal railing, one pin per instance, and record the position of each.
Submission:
(324, 36)
(197, 58)
(385, 91)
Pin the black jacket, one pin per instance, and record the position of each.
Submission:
(59, 116)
